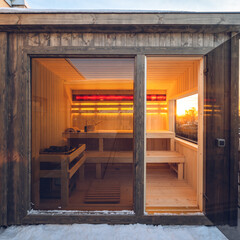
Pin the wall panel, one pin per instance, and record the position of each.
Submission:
(50, 111)
(18, 104)
(3, 128)
(190, 165)
(197, 40)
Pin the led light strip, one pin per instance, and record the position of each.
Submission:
(81, 97)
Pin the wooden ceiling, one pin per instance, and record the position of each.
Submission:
(162, 72)
(62, 68)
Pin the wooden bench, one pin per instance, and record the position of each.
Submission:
(64, 173)
(169, 157)
(107, 157)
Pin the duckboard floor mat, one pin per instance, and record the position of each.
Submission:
(102, 192)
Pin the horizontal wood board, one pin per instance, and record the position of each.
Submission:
(118, 21)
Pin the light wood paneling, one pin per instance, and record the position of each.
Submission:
(189, 151)
(166, 193)
(62, 68)
(50, 113)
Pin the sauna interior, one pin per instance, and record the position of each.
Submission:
(82, 134)
(174, 136)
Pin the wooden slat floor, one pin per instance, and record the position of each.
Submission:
(115, 175)
(164, 192)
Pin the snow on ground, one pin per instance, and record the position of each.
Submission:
(110, 232)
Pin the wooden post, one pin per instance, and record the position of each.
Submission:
(98, 170)
(234, 124)
(82, 172)
(64, 183)
(180, 171)
(3, 128)
(100, 144)
(139, 134)
(36, 183)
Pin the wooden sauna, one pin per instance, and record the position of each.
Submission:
(118, 117)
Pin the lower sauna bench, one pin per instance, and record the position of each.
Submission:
(170, 157)
(65, 173)
(98, 158)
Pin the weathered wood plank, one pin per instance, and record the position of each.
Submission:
(187, 40)
(131, 39)
(55, 39)
(3, 128)
(98, 40)
(121, 39)
(208, 40)
(80, 18)
(153, 39)
(142, 39)
(88, 39)
(164, 40)
(33, 39)
(75, 39)
(18, 132)
(110, 39)
(13, 156)
(44, 39)
(216, 124)
(63, 51)
(198, 39)
(66, 39)
(175, 39)
(139, 134)
(218, 38)
(117, 219)
(234, 124)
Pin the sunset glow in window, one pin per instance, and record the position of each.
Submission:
(187, 118)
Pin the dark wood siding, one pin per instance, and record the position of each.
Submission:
(3, 128)
(15, 123)
(221, 121)
(234, 130)
(18, 130)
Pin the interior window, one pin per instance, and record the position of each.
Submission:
(186, 123)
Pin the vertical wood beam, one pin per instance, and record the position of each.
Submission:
(139, 134)
(234, 124)
(64, 183)
(3, 127)
(18, 131)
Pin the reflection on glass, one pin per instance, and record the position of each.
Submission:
(82, 133)
(187, 118)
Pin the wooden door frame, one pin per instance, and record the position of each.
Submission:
(200, 91)
(3, 129)
(26, 215)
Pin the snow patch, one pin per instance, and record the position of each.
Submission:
(75, 212)
(110, 232)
